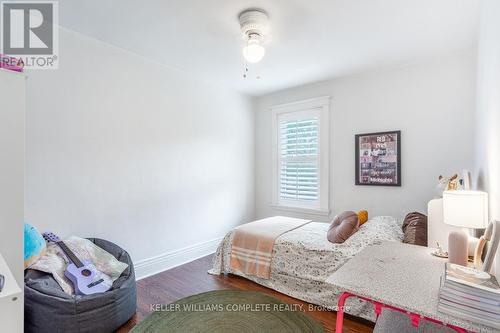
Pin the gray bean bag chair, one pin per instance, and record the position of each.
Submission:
(49, 310)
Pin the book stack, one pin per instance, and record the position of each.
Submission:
(470, 294)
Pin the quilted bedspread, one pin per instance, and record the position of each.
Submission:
(303, 259)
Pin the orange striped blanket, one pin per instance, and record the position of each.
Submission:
(252, 246)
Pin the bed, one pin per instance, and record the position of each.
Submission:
(303, 258)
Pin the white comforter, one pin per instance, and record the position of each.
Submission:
(303, 259)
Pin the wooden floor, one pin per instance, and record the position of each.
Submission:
(192, 278)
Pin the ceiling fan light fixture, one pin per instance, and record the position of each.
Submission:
(254, 26)
(254, 51)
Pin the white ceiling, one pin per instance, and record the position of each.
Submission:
(311, 40)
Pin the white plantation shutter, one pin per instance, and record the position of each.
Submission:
(301, 155)
(299, 159)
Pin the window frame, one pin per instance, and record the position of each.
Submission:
(320, 106)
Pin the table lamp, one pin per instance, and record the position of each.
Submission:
(465, 209)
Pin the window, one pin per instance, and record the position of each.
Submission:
(301, 155)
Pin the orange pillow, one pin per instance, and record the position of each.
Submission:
(362, 216)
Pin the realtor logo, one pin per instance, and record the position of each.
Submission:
(30, 32)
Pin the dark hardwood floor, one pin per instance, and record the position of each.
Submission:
(192, 278)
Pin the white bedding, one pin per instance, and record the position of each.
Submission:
(303, 258)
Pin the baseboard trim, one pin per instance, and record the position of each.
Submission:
(163, 262)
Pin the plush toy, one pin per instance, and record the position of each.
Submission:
(441, 186)
(362, 216)
(448, 184)
(34, 245)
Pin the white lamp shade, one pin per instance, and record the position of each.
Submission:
(466, 209)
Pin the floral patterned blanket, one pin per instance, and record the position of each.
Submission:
(303, 259)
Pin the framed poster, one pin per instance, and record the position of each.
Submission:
(378, 159)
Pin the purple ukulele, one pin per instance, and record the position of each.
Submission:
(85, 277)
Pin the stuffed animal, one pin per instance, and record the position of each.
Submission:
(448, 184)
(453, 183)
(441, 186)
(34, 245)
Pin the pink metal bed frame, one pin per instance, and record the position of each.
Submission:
(415, 318)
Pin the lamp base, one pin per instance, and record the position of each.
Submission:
(458, 244)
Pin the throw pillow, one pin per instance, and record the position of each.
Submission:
(343, 226)
(415, 229)
(362, 216)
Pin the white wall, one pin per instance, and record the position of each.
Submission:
(12, 117)
(431, 103)
(488, 107)
(122, 148)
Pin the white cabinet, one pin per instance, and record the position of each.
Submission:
(11, 302)
(12, 141)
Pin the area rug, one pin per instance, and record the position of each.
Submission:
(224, 311)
